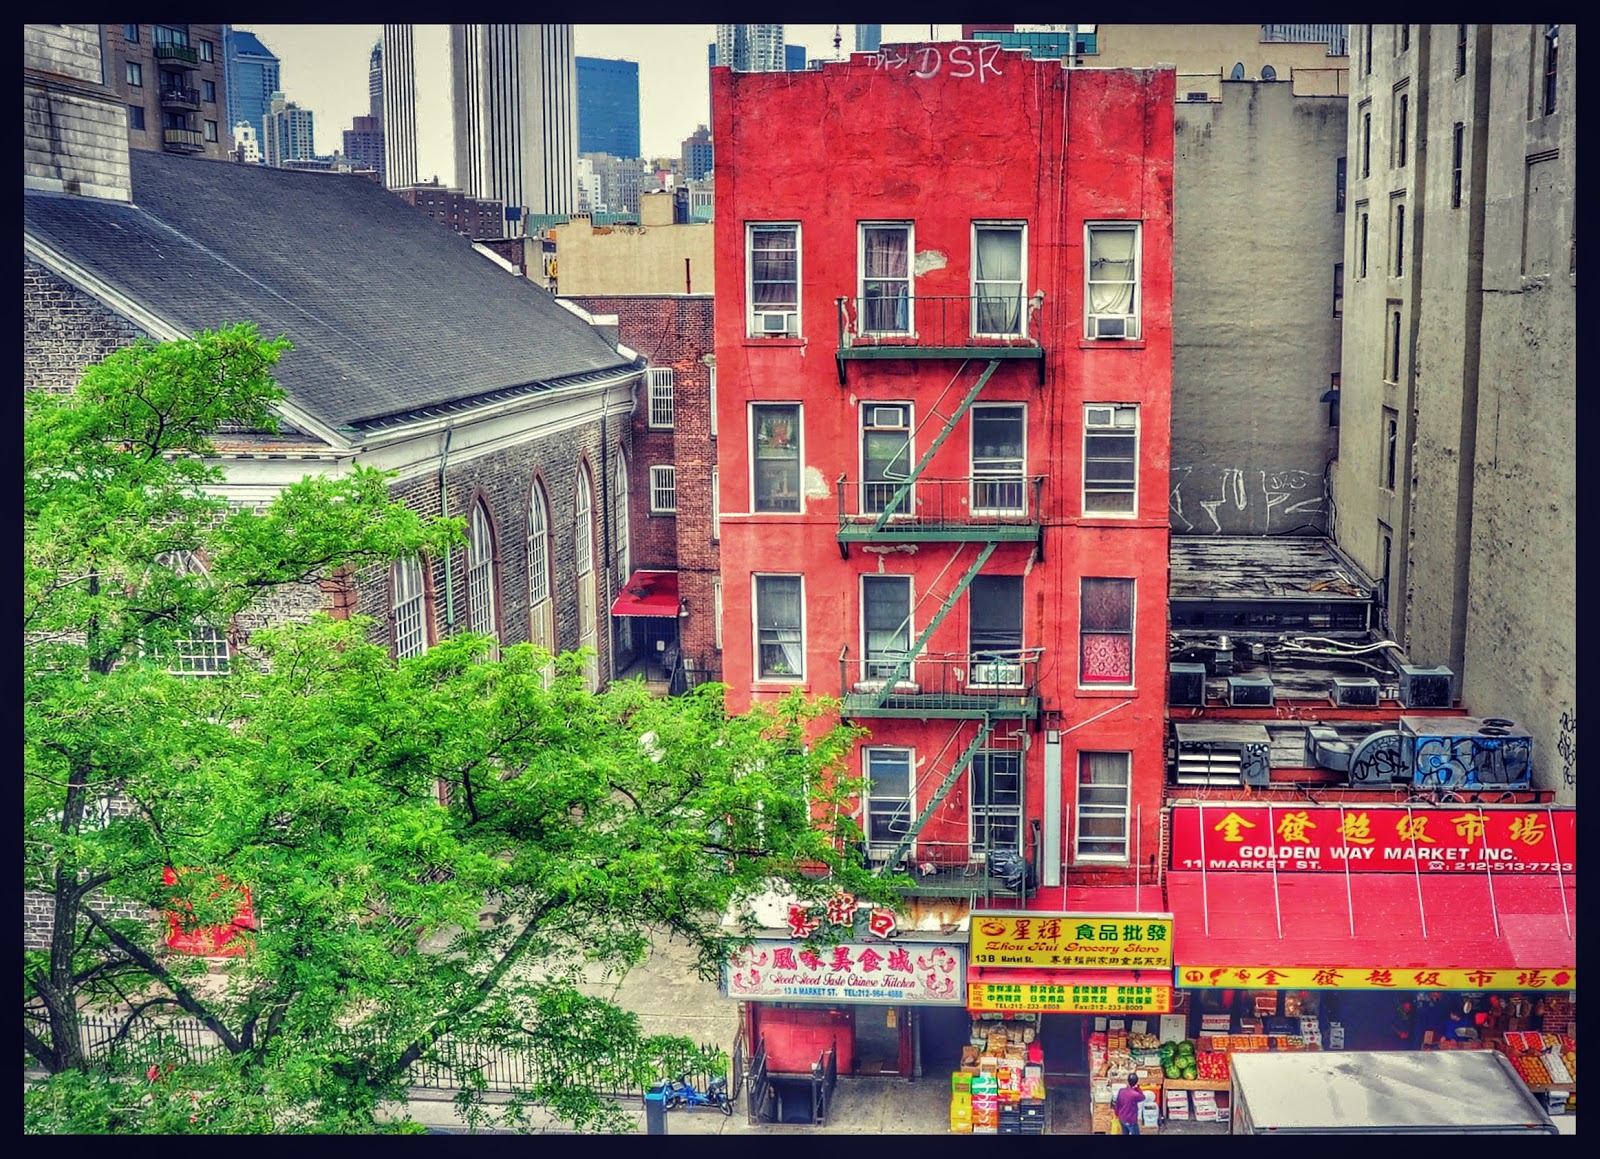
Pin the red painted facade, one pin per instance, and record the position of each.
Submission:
(946, 138)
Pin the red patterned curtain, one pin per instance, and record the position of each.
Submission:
(1107, 631)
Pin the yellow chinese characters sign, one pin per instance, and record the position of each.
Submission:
(1068, 999)
(1373, 978)
(1073, 941)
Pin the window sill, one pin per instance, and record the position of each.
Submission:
(753, 341)
(1120, 690)
(1111, 344)
(664, 514)
(776, 683)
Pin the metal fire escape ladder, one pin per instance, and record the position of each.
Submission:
(927, 456)
(903, 666)
(985, 727)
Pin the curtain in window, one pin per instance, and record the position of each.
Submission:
(997, 459)
(997, 270)
(886, 619)
(886, 279)
(773, 269)
(778, 618)
(1107, 630)
(1103, 805)
(1111, 274)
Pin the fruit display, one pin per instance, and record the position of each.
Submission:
(1178, 1060)
(1143, 1042)
(1212, 1066)
(1533, 1069)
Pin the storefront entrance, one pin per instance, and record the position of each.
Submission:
(1065, 1040)
(878, 1037)
(944, 1031)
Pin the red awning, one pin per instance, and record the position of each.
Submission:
(648, 593)
(1440, 921)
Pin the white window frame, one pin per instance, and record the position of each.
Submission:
(896, 807)
(203, 651)
(868, 416)
(910, 279)
(621, 521)
(541, 605)
(409, 587)
(716, 505)
(1094, 328)
(1132, 633)
(1101, 810)
(977, 849)
(588, 586)
(1020, 228)
(660, 408)
(988, 485)
(482, 616)
(135, 74)
(1093, 412)
(799, 450)
(875, 672)
(756, 321)
(716, 608)
(711, 397)
(664, 490)
(756, 579)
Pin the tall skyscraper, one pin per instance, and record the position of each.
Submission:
(608, 106)
(515, 115)
(398, 81)
(375, 82)
(868, 37)
(750, 47)
(363, 143)
(253, 76)
(290, 133)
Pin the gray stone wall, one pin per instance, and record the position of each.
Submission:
(64, 331)
(74, 128)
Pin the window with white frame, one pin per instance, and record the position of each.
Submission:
(885, 455)
(407, 600)
(621, 548)
(1103, 790)
(885, 624)
(711, 398)
(716, 505)
(994, 631)
(995, 805)
(887, 772)
(772, 260)
(999, 455)
(1110, 459)
(716, 611)
(775, 460)
(1106, 632)
(663, 490)
(1112, 271)
(201, 649)
(885, 267)
(998, 273)
(481, 616)
(780, 630)
(541, 608)
(588, 587)
(661, 382)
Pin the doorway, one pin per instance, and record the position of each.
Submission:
(1065, 1041)
(879, 1031)
(944, 1030)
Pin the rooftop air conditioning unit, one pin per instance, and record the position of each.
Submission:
(1249, 692)
(1378, 761)
(1112, 326)
(1354, 691)
(1187, 685)
(1222, 754)
(1425, 687)
(1328, 751)
(777, 323)
(1464, 752)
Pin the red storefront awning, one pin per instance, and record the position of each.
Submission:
(648, 593)
(1519, 928)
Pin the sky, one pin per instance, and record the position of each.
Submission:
(324, 69)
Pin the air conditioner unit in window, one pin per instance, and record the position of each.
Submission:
(1425, 687)
(1187, 686)
(887, 416)
(1112, 326)
(1249, 692)
(777, 323)
(1354, 691)
(1464, 752)
(1006, 673)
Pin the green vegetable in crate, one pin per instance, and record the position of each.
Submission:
(1173, 1070)
(1190, 1072)
(1186, 1048)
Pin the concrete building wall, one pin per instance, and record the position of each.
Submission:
(598, 260)
(1197, 49)
(1256, 236)
(74, 126)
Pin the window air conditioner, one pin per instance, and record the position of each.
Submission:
(1354, 692)
(1187, 685)
(887, 416)
(1425, 687)
(777, 323)
(1112, 326)
(1249, 692)
(1006, 673)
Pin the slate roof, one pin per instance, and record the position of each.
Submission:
(390, 312)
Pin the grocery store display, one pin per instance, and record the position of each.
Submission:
(999, 1088)
(1545, 1061)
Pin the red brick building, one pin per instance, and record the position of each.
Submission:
(944, 376)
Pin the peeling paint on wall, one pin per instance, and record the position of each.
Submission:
(1245, 501)
(814, 486)
(929, 260)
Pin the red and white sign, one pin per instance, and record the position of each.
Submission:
(849, 972)
(1383, 839)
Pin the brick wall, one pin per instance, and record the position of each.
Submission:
(64, 330)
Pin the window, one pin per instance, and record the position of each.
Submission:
(165, 34)
(1362, 243)
(135, 116)
(1402, 38)
(1461, 50)
(999, 486)
(409, 629)
(206, 50)
(663, 490)
(135, 74)
(1366, 56)
(208, 91)
(1106, 632)
(1552, 44)
(481, 616)
(885, 624)
(1366, 144)
(1399, 239)
(773, 262)
(994, 631)
(130, 33)
(1457, 148)
(1400, 130)
(1113, 279)
(588, 596)
(885, 257)
(716, 607)
(996, 804)
(1338, 289)
(1110, 460)
(541, 628)
(716, 505)
(885, 455)
(780, 649)
(1102, 807)
(661, 380)
(211, 130)
(201, 649)
(621, 542)
(1385, 554)
(997, 279)
(1391, 446)
(888, 796)
(776, 433)
(1393, 366)
(1338, 185)
(711, 398)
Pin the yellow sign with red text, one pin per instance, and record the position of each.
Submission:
(1372, 978)
(1073, 941)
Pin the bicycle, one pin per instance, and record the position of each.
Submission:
(680, 1092)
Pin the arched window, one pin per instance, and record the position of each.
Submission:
(542, 623)
(481, 586)
(1268, 72)
(619, 507)
(588, 599)
(1238, 71)
(200, 649)
(408, 617)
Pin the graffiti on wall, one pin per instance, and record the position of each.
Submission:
(1473, 762)
(1239, 501)
(1568, 748)
(926, 60)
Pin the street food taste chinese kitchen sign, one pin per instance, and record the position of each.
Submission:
(1066, 998)
(1073, 941)
(848, 972)
(1363, 978)
(1452, 839)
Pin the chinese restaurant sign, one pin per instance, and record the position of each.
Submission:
(1320, 839)
(848, 972)
(1068, 999)
(1364, 978)
(1072, 941)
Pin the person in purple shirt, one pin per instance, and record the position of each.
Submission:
(1127, 1104)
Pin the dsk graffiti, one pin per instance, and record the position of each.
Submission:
(926, 60)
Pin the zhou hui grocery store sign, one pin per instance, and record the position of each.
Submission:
(1384, 839)
(1072, 941)
(1063, 998)
(848, 972)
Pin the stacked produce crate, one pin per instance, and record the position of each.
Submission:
(999, 1089)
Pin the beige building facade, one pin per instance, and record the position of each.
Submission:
(653, 257)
